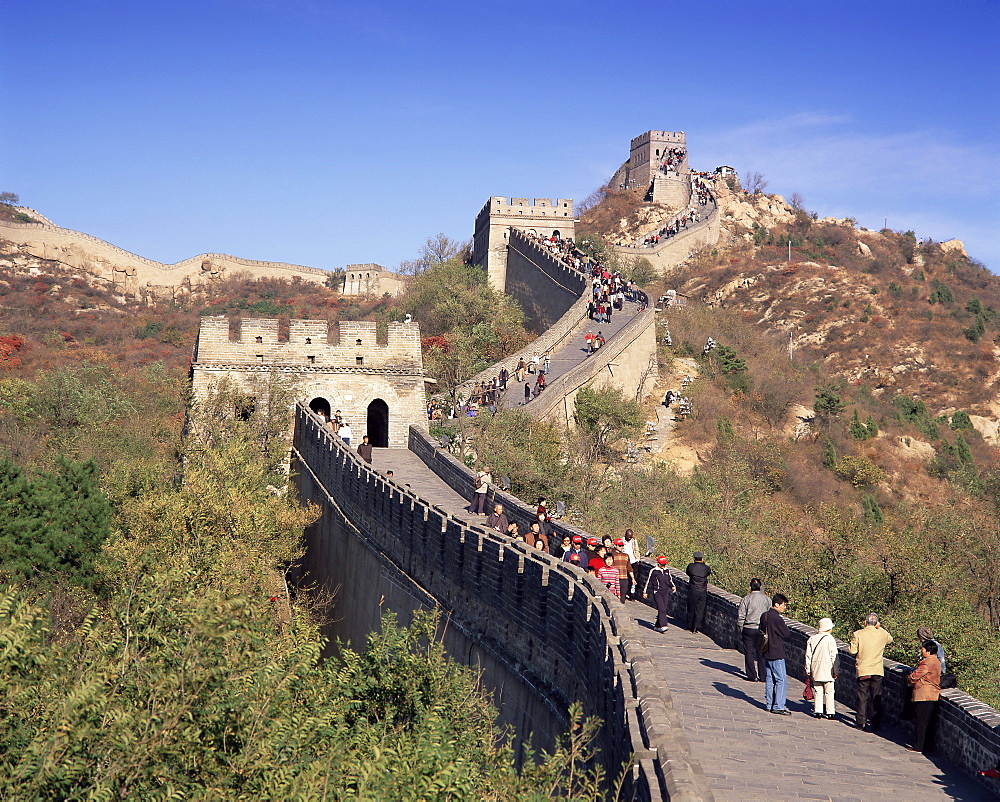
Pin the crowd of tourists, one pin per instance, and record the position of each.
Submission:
(672, 158)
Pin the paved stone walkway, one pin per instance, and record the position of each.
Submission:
(572, 353)
(748, 753)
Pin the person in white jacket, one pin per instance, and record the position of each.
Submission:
(821, 665)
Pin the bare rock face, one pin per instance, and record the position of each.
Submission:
(987, 427)
(956, 246)
(863, 248)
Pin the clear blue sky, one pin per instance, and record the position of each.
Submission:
(327, 133)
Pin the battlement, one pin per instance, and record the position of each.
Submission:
(673, 137)
(527, 207)
(353, 344)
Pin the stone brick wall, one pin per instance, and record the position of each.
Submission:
(968, 731)
(672, 252)
(372, 280)
(520, 613)
(493, 223)
(348, 374)
(133, 274)
(627, 362)
(544, 286)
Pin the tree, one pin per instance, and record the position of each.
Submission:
(642, 272)
(52, 525)
(859, 430)
(960, 420)
(606, 416)
(797, 202)
(10, 198)
(828, 401)
(436, 250)
(754, 183)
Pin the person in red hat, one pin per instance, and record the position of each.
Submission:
(595, 554)
(661, 585)
(626, 578)
(576, 551)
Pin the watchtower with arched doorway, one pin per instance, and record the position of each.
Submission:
(378, 387)
(493, 223)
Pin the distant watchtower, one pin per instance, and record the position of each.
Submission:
(379, 388)
(658, 165)
(542, 217)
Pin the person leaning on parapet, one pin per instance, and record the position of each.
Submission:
(869, 646)
(661, 585)
(698, 574)
(365, 449)
(773, 626)
(484, 479)
(926, 682)
(821, 665)
(752, 607)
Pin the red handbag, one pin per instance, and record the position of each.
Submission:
(807, 692)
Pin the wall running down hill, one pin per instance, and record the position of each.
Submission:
(132, 274)
(543, 634)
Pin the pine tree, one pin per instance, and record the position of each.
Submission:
(858, 430)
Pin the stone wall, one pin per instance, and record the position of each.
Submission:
(968, 731)
(543, 285)
(670, 253)
(627, 362)
(350, 374)
(517, 613)
(373, 280)
(499, 215)
(135, 275)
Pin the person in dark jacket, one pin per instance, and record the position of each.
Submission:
(661, 585)
(365, 449)
(773, 626)
(698, 574)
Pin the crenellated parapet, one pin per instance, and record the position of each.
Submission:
(533, 215)
(378, 386)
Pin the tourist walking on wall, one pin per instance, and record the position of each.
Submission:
(497, 520)
(748, 614)
(926, 682)
(608, 574)
(484, 479)
(775, 631)
(624, 565)
(821, 665)
(698, 574)
(661, 585)
(345, 433)
(365, 449)
(520, 369)
(869, 646)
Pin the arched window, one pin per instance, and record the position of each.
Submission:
(321, 407)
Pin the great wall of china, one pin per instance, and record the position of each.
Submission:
(543, 634)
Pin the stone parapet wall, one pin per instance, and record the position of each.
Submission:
(627, 361)
(670, 253)
(544, 286)
(132, 273)
(648, 724)
(968, 731)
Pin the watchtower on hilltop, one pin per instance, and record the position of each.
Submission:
(499, 215)
(658, 165)
(372, 280)
(378, 387)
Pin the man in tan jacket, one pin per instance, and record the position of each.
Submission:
(869, 646)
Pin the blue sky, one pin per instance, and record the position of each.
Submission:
(327, 133)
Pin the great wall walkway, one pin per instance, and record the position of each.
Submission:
(572, 353)
(744, 751)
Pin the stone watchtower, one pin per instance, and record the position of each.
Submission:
(493, 223)
(658, 165)
(379, 388)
